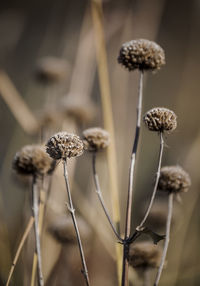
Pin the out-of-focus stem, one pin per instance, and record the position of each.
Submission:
(168, 225)
(21, 244)
(97, 16)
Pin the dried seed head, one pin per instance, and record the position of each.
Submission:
(64, 145)
(83, 112)
(33, 160)
(174, 179)
(95, 139)
(51, 69)
(62, 229)
(144, 255)
(141, 54)
(160, 119)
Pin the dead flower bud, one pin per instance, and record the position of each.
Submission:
(62, 229)
(64, 145)
(160, 119)
(33, 160)
(144, 255)
(95, 139)
(141, 54)
(174, 179)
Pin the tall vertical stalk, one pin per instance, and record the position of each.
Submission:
(36, 225)
(72, 212)
(168, 226)
(130, 185)
(101, 55)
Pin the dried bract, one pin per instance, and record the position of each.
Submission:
(62, 229)
(96, 139)
(160, 119)
(141, 54)
(174, 179)
(64, 145)
(33, 160)
(144, 255)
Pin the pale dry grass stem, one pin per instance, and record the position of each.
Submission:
(168, 226)
(21, 244)
(97, 16)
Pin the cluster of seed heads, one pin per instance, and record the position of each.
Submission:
(33, 160)
(141, 54)
(160, 119)
(144, 255)
(95, 139)
(174, 179)
(64, 145)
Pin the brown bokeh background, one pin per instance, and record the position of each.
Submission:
(30, 30)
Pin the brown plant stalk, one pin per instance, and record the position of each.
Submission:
(72, 212)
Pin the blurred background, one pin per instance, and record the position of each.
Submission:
(49, 78)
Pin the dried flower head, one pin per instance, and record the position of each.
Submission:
(64, 145)
(51, 69)
(62, 229)
(83, 112)
(33, 160)
(174, 179)
(144, 255)
(160, 119)
(95, 139)
(141, 54)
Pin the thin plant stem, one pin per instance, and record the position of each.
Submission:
(72, 212)
(168, 225)
(40, 225)
(130, 185)
(146, 277)
(156, 182)
(99, 194)
(37, 237)
(21, 244)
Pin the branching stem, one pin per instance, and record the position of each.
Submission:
(168, 225)
(100, 196)
(72, 212)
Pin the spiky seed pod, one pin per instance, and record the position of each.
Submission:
(33, 160)
(96, 139)
(64, 145)
(62, 229)
(160, 119)
(51, 69)
(141, 54)
(174, 179)
(144, 255)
